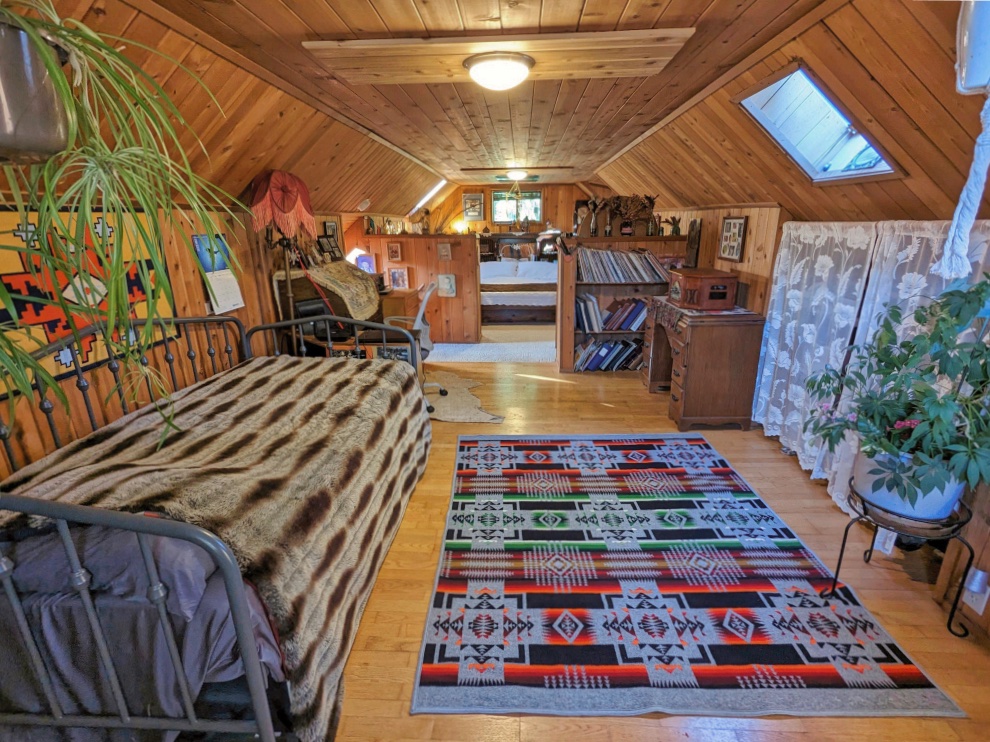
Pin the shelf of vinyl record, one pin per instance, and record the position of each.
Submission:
(602, 307)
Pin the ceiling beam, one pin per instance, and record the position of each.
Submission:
(827, 8)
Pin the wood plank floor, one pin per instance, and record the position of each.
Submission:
(535, 399)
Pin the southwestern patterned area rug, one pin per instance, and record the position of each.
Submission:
(619, 575)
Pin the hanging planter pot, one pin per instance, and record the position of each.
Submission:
(33, 126)
(936, 504)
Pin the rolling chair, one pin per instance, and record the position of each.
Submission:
(420, 330)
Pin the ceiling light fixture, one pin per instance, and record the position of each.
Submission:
(516, 174)
(499, 70)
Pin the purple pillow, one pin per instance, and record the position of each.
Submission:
(114, 560)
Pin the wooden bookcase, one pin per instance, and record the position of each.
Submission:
(568, 288)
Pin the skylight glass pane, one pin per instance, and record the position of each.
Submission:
(815, 133)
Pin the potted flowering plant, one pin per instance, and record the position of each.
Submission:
(917, 398)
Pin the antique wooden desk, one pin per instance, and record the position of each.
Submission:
(708, 361)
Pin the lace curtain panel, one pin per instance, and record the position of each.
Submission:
(901, 274)
(818, 285)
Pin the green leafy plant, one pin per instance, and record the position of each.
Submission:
(919, 405)
(124, 158)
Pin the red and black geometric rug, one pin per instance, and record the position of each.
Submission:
(618, 575)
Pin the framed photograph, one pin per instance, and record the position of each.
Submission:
(330, 229)
(398, 278)
(730, 246)
(474, 207)
(443, 250)
(329, 246)
(395, 252)
(366, 263)
(446, 285)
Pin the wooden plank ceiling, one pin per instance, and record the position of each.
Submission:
(251, 125)
(562, 123)
(889, 63)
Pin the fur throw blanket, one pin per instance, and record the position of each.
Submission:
(303, 466)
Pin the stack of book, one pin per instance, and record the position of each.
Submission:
(607, 266)
(612, 355)
(622, 315)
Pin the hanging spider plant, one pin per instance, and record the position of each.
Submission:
(123, 158)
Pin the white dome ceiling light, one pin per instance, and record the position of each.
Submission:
(516, 174)
(499, 70)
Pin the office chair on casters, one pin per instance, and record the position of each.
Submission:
(420, 330)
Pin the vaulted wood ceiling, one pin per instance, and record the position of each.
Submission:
(575, 125)
(246, 125)
(889, 63)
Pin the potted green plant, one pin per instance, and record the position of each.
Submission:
(916, 398)
(123, 156)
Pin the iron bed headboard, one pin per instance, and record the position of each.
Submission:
(236, 347)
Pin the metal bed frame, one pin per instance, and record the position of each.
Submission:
(236, 347)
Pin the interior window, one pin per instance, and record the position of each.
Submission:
(802, 120)
(509, 207)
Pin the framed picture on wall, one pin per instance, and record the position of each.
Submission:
(395, 252)
(474, 207)
(398, 278)
(329, 246)
(730, 246)
(446, 285)
(366, 263)
(443, 251)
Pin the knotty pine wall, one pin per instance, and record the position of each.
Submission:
(252, 125)
(889, 63)
(31, 439)
(763, 228)
(454, 319)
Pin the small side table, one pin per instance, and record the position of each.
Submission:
(929, 530)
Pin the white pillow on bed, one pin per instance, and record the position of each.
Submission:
(498, 269)
(538, 272)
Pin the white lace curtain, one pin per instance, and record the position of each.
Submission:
(827, 275)
(818, 285)
(901, 274)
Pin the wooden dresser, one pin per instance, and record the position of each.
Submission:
(708, 361)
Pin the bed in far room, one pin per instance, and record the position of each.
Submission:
(518, 291)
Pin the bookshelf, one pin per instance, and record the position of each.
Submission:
(573, 330)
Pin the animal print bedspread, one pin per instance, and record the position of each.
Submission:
(302, 466)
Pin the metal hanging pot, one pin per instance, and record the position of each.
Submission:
(33, 124)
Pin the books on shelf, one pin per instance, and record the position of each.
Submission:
(620, 316)
(609, 355)
(613, 266)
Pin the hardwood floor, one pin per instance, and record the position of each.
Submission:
(535, 399)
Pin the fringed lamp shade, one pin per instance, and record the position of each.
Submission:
(281, 199)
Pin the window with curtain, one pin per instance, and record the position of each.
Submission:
(509, 207)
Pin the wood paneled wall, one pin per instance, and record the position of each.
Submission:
(454, 319)
(558, 205)
(763, 228)
(889, 63)
(253, 126)
(31, 439)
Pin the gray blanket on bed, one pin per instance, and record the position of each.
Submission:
(303, 466)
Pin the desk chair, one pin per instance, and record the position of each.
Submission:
(420, 330)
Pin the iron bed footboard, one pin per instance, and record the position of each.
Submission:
(215, 356)
(63, 514)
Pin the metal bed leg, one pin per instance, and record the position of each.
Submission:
(830, 592)
(963, 631)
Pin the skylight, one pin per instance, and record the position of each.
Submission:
(798, 115)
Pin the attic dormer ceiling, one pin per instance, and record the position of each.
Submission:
(457, 128)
